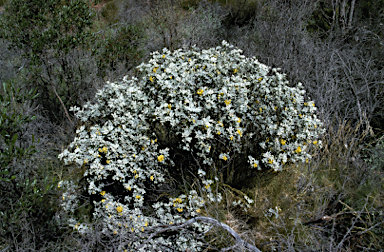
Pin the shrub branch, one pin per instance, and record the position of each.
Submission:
(239, 241)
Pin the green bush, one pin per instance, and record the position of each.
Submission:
(12, 125)
(111, 11)
(120, 49)
(27, 183)
(51, 35)
(185, 115)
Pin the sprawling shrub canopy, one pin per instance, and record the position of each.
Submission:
(212, 104)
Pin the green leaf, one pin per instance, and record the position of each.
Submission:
(13, 141)
(4, 172)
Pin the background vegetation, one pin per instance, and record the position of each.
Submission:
(65, 50)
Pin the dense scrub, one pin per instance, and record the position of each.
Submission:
(331, 202)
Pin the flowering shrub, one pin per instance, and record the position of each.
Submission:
(184, 111)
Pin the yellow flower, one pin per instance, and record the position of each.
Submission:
(119, 209)
(103, 200)
(315, 142)
(225, 158)
(207, 186)
(298, 150)
(155, 69)
(143, 148)
(282, 141)
(132, 229)
(76, 226)
(257, 102)
(160, 158)
(86, 161)
(305, 104)
(239, 132)
(235, 71)
(177, 200)
(179, 210)
(163, 56)
(102, 193)
(128, 188)
(200, 91)
(218, 72)
(138, 197)
(198, 210)
(115, 232)
(231, 137)
(254, 165)
(189, 59)
(63, 198)
(261, 110)
(151, 79)
(136, 176)
(207, 126)
(270, 161)
(238, 120)
(146, 224)
(142, 229)
(218, 132)
(108, 161)
(227, 102)
(151, 177)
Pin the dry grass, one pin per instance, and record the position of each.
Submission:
(328, 204)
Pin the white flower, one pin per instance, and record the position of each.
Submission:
(203, 105)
